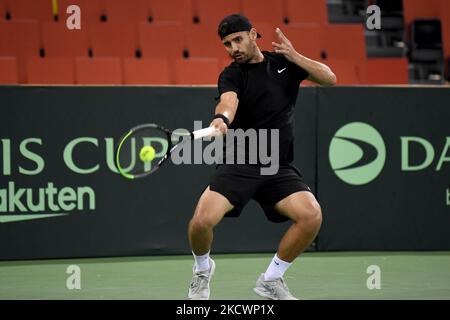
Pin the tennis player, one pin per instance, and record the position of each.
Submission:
(258, 90)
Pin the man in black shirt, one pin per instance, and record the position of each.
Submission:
(258, 91)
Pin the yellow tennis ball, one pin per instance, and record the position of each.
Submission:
(147, 153)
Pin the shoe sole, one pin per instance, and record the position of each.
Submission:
(263, 294)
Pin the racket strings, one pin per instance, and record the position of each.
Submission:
(141, 151)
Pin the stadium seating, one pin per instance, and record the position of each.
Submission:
(113, 39)
(445, 19)
(306, 11)
(305, 38)
(272, 13)
(433, 9)
(136, 35)
(153, 71)
(58, 41)
(343, 41)
(2, 9)
(127, 12)
(347, 11)
(31, 9)
(267, 31)
(20, 39)
(204, 42)
(165, 40)
(414, 9)
(106, 70)
(348, 72)
(51, 71)
(8, 70)
(426, 51)
(387, 71)
(171, 11)
(196, 71)
(389, 40)
(91, 10)
(211, 12)
(426, 40)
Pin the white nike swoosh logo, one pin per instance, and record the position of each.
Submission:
(280, 71)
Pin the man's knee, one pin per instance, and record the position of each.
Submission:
(210, 209)
(206, 216)
(201, 220)
(310, 213)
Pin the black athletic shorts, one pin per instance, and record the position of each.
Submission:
(239, 183)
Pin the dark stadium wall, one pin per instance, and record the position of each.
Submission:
(60, 196)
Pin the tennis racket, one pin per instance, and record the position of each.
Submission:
(144, 148)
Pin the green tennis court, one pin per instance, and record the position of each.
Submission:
(337, 275)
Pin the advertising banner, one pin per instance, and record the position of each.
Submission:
(61, 195)
(384, 168)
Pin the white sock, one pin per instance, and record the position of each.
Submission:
(276, 269)
(201, 262)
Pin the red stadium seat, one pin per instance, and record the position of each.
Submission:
(146, 71)
(127, 11)
(197, 71)
(343, 42)
(58, 41)
(211, 12)
(91, 10)
(307, 11)
(171, 11)
(414, 9)
(445, 18)
(113, 39)
(305, 38)
(257, 10)
(386, 71)
(8, 70)
(267, 32)
(20, 39)
(2, 9)
(51, 71)
(164, 40)
(31, 9)
(98, 71)
(203, 41)
(347, 72)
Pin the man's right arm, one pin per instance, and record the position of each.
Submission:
(227, 106)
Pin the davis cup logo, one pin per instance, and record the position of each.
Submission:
(357, 153)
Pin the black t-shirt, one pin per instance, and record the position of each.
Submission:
(267, 93)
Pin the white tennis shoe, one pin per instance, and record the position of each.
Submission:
(199, 288)
(274, 289)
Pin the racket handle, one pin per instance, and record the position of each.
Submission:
(206, 132)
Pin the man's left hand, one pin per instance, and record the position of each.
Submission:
(285, 46)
